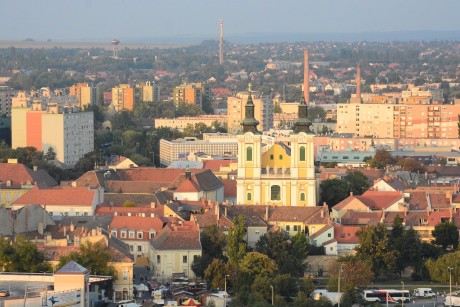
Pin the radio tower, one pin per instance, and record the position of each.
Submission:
(306, 78)
(221, 51)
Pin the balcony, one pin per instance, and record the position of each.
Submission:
(276, 172)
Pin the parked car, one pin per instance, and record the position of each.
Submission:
(4, 293)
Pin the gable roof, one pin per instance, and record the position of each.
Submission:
(378, 200)
(346, 234)
(19, 174)
(307, 215)
(177, 237)
(361, 218)
(216, 165)
(59, 196)
(138, 223)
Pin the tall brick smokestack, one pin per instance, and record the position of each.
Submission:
(306, 78)
(358, 81)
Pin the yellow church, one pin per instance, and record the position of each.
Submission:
(284, 174)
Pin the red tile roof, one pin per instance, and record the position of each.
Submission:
(134, 211)
(378, 200)
(19, 174)
(361, 218)
(346, 234)
(216, 165)
(188, 186)
(178, 237)
(59, 196)
(137, 222)
(229, 188)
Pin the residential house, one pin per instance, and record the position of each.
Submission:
(16, 179)
(174, 249)
(136, 232)
(24, 220)
(344, 241)
(63, 201)
(256, 219)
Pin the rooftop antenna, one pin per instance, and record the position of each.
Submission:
(115, 43)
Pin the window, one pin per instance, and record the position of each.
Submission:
(139, 235)
(131, 234)
(329, 235)
(114, 233)
(125, 274)
(302, 196)
(158, 259)
(139, 248)
(281, 157)
(257, 232)
(184, 259)
(288, 228)
(249, 153)
(271, 157)
(295, 228)
(249, 196)
(123, 234)
(152, 235)
(131, 248)
(275, 192)
(302, 153)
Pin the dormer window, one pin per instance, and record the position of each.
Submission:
(8, 183)
(131, 234)
(139, 235)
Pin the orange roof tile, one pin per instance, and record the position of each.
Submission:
(346, 234)
(137, 222)
(378, 200)
(229, 188)
(19, 174)
(188, 186)
(216, 165)
(59, 196)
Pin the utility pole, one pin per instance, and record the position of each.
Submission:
(450, 285)
(403, 296)
(272, 294)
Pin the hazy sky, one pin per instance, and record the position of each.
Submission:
(106, 19)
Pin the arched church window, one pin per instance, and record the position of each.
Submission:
(302, 153)
(249, 153)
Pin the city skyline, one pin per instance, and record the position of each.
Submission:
(97, 20)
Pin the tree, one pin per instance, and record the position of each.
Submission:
(445, 234)
(355, 273)
(438, 269)
(256, 264)
(216, 271)
(213, 241)
(333, 191)
(411, 165)
(382, 159)
(93, 256)
(236, 241)
(21, 256)
(50, 154)
(279, 247)
(374, 247)
(357, 182)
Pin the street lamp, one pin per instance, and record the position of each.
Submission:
(272, 294)
(225, 285)
(338, 288)
(403, 296)
(450, 285)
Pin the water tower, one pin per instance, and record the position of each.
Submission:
(115, 43)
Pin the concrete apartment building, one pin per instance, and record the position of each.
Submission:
(263, 111)
(147, 92)
(182, 122)
(123, 97)
(179, 149)
(86, 95)
(190, 93)
(67, 129)
(6, 95)
(413, 115)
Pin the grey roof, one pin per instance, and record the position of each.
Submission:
(208, 181)
(72, 268)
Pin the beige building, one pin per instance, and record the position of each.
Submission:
(179, 149)
(147, 92)
(412, 116)
(263, 111)
(123, 97)
(67, 130)
(189, 93)
(182, 122)
(86, 95)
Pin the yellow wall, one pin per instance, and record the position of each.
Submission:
(18, 127)
(8, 196)
(276, 151)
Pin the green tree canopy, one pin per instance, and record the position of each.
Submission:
(374, 247)
(438, 269)
(21, 256)
(445, 234)
(357, 182)
(93, 256)
(256, 264)
(236, 241)
(333, 191)
(382, 159)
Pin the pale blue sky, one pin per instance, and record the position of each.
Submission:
(105, 19)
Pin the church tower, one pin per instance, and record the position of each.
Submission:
(249, 154)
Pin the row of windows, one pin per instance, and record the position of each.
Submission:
(275, 194)
(184, 258)
(301, 154)
(140, 235)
